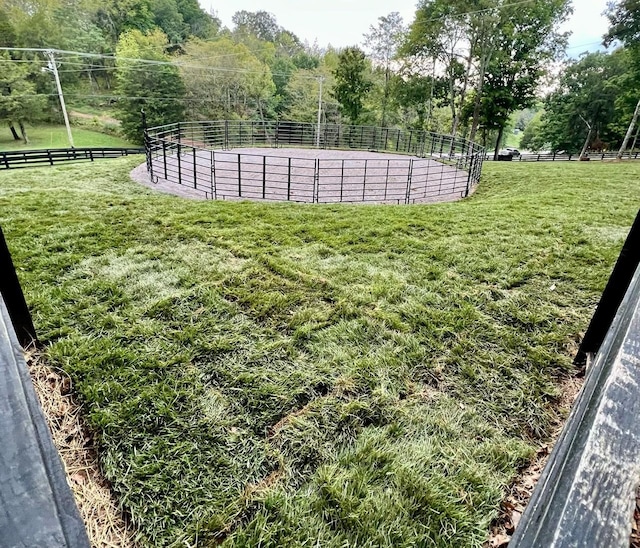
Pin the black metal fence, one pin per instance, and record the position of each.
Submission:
(198, 156)
(556, 157)
(32, 158)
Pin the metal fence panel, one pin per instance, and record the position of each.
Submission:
(200, 155)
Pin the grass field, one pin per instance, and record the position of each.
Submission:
(56, 137)
(292, 375)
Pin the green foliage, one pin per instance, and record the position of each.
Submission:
(19, 100)
(624, 17)
(233, 82)
(588, 94)
(269, 374)
(502, 54)
(533, 137)
(8, 34)
(155, 88)
(201, 24)
(527, 41)
(384, 41)
(303, 93)
(261, 24)
(351, 82)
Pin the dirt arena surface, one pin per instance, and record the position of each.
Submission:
(304, 175)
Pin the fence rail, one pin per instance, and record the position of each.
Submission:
(555, 157)
(31, 158)
(200, 156)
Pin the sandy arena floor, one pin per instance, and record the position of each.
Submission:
(304, 175)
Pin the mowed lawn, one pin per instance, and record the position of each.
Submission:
(56, 137)
(308, 375)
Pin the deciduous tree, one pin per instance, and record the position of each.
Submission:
(155, 88)
(383, 41)
(19, 100)
(352, 83)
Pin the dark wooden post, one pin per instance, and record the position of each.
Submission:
(14, 298)
(613, 294)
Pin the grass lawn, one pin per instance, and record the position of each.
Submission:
(56, 137)
(289, 375)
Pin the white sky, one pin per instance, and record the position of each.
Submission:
(343, 22)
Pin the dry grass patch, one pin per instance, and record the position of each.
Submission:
(105, 524)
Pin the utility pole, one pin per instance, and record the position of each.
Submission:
(320, 80)
(53, 67)
(629, 132)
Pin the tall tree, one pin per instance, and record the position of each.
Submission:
(624, 17)
(19, 101)
(262, 24)
(352, 83)
(438, 34)
(528, 40)
(8, 35)
(155, 88)
(230, 83)
(201, 24)
(583, 108)
(383, 41)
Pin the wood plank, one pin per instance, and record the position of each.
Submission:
(38, 508)
(586, 494)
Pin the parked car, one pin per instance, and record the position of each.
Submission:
(513, 151)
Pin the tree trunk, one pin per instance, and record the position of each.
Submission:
(476, 115)
(25, 139)
(16, 137)
(629, 132)
(500, 134)
(427, 125)
(484, 63)
(583, 154)
(478, 99)
(454, 121)
(635, 140)
(385, 98)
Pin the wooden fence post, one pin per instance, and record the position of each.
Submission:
(14, 298)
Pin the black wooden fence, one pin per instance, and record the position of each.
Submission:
(556, 157)
(587, 493)
(38, 508)
(11, 293)
(33, 158)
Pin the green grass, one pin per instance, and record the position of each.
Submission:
(287, 375)
(56, 137)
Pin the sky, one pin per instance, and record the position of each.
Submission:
(343, 22)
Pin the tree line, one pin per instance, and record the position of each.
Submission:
(595, 103)
(462, 67)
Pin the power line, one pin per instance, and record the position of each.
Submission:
(484, 10)
(584, 45)
(151, 62)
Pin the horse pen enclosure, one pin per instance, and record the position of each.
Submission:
(291, 161)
